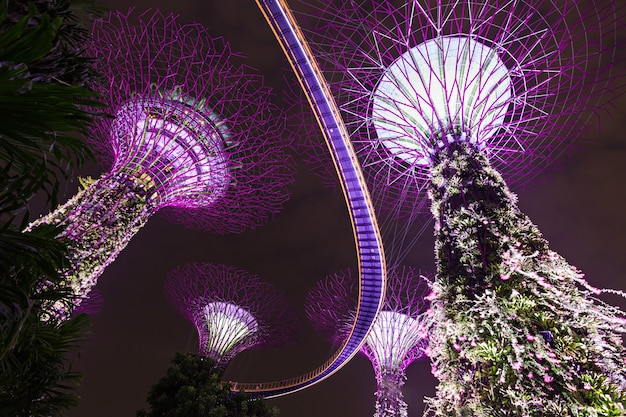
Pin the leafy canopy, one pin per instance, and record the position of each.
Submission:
(192, 388)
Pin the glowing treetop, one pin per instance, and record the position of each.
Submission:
(438, 94)
(192, 119)
(398, 336)
(516, 80)
(192, 132)
(231, 309)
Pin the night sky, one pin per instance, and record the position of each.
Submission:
(580, 208)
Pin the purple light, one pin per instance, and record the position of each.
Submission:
(518, 79)
(92, 304)
(436, 96)
(177, 149)
(445, 89)
(194, 136)
(231, 309)
(393, 337)
(226, 325)
(398, 336)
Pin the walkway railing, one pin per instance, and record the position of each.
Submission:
(371, 259)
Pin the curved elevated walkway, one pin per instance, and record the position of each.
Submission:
(371, 259)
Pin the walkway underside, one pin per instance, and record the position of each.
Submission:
(372, 273)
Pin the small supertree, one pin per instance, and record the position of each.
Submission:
(444, 96)
(398, 336)
(192, 132)
(231, 309)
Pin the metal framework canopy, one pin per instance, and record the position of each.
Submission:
(399, 333)
(231, 309)
(191, 122)
(177, 147)
(193, 135)
(397, 338)
(226, 324)
(518, 79)
(443, 89)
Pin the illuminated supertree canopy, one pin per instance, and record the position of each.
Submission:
(414, 76)
(397, 338)
(193, 133)
(452, 97)
(231, 309)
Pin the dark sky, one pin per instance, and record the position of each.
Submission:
(580, 209)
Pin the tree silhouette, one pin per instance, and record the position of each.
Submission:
(192, 388)
(41, 114)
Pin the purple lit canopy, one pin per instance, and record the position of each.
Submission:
(231, 309)
(193, 132)
(192, 119)
(518, 80)
(398, 336)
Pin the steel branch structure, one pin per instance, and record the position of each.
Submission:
(399, 334)
(450, 97)
(231, 309)
(518, 80)
(92, 303)
(193, 134)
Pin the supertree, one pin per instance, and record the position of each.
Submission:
(193, 132)
(445, 96)
(231, 309)
(398, 336)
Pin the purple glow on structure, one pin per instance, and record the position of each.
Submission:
(397, 338)
(178, 149)
(518, 79)
(447, 88)
(194, 118)
(194, 136)
(227, 324)
(393, 338)
(231, 309)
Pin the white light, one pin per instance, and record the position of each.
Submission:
(445, 86)
(393, 336)
(227, 324)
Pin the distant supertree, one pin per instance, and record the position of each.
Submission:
(232, 309)
(398, 336)
(192, 132)
(438, 95)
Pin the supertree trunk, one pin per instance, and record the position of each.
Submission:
(98, 222)
(389, 399)
(518, 331)
(192, 135)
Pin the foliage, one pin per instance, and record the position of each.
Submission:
(192, 388)
(99, 222)
(517, 330)
(35, 378)
(66, 25)
(41, 115)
